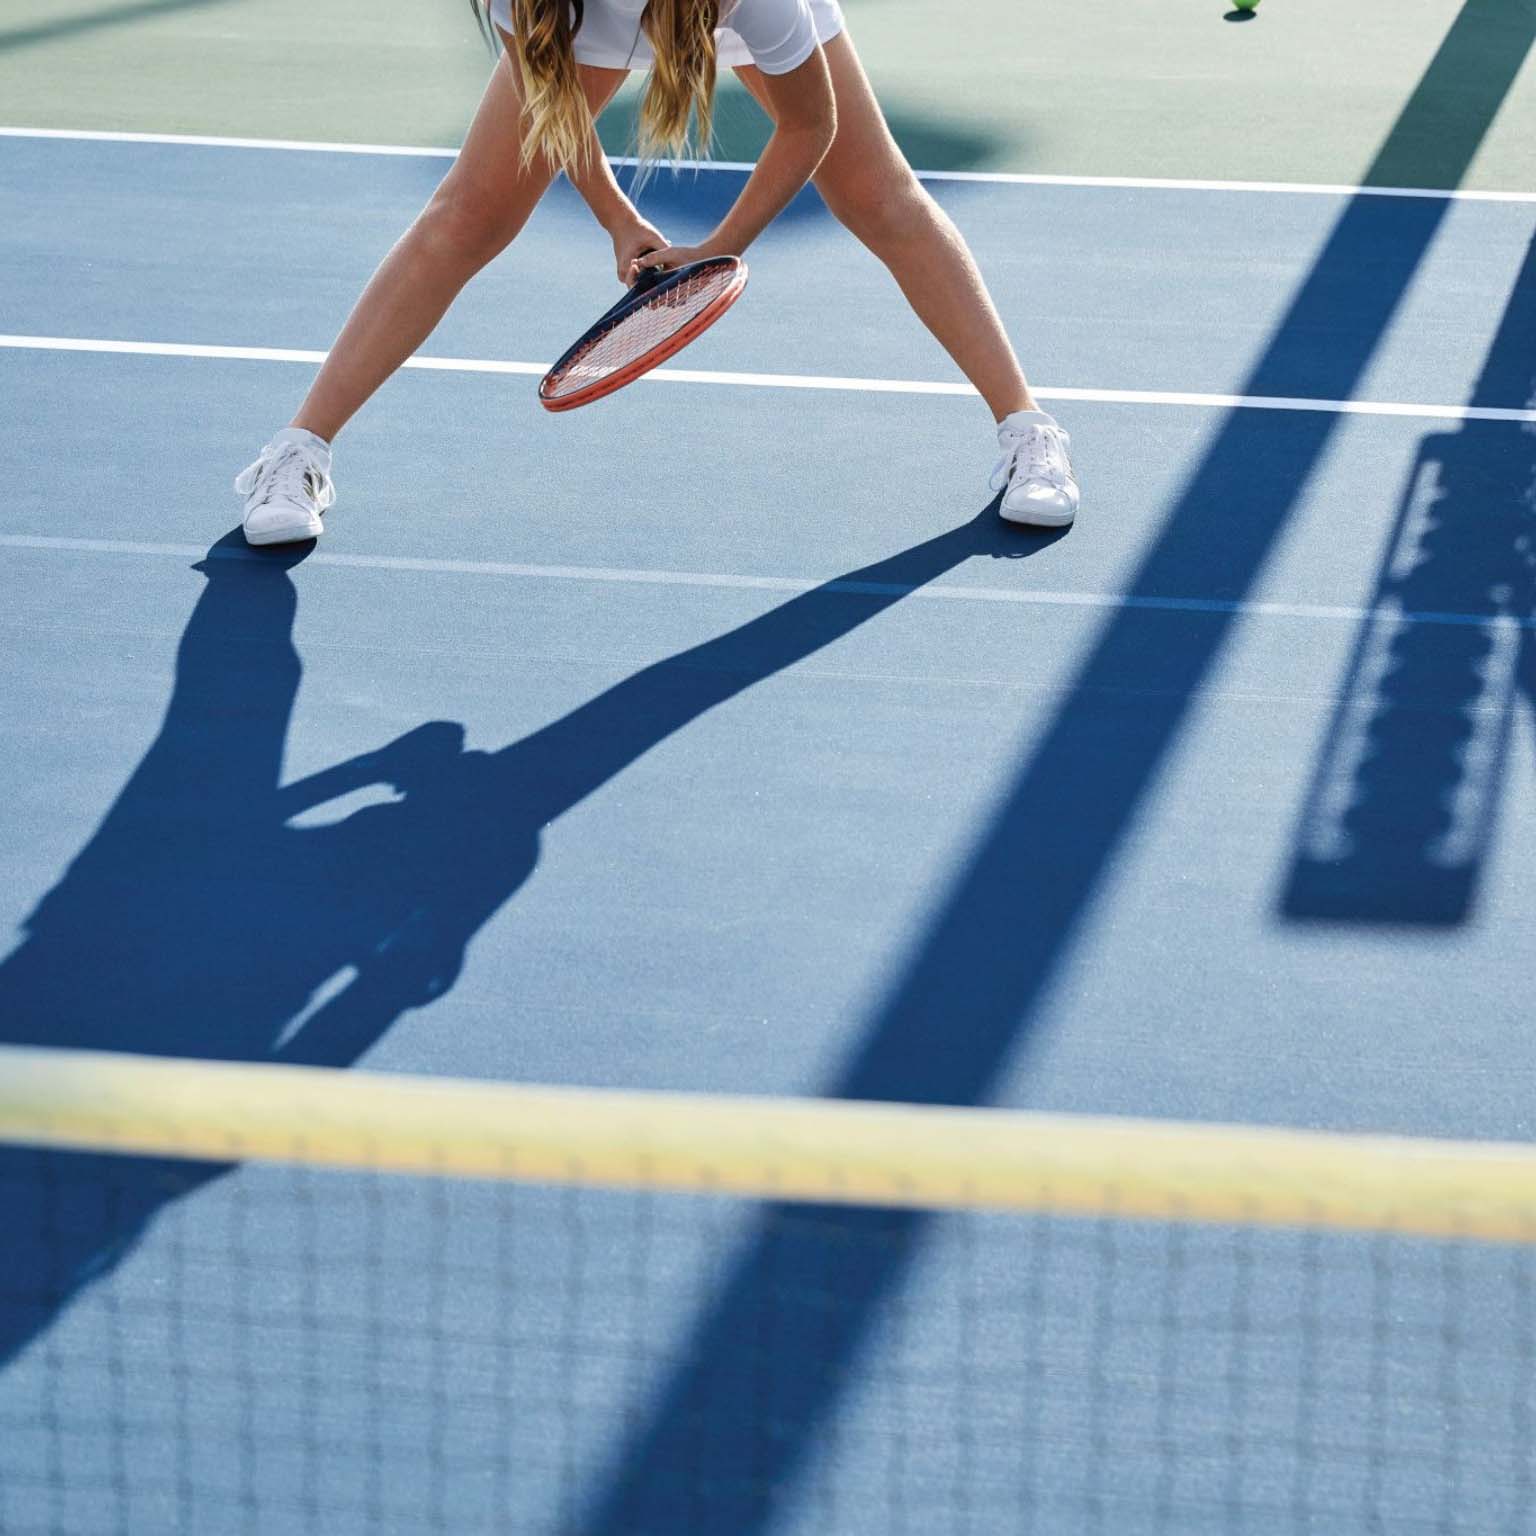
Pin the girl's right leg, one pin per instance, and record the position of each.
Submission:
(480, 206)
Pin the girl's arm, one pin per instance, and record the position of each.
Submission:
(632, 235)
(805, 115)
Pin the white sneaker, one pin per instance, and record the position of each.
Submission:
(287, 488)
(1034, 473)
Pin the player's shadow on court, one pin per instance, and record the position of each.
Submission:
(204, 920)
(1404, 804)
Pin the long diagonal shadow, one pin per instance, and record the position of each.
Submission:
(717, 1447)
(205, 918)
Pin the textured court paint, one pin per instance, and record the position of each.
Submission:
(1306, 92)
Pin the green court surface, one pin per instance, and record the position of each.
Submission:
(1305, 91)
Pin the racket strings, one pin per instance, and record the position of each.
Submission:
(642, 330)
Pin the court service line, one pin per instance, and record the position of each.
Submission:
(1416, 411)
(997, 178)
(933, 591)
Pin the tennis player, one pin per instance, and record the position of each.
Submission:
(564, 59)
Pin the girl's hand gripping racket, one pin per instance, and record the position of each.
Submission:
(656, 319)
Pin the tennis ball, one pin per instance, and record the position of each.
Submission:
(1246, 5)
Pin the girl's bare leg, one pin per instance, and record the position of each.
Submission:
(482, 203)
(867, 183)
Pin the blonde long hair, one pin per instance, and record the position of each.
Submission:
(680, 89)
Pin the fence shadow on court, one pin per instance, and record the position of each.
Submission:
(202, 920)
(1402, 811)
(727, 1447)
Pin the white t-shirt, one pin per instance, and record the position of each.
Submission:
(776, 35)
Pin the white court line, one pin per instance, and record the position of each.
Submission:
(799, 381)
(1001, 178)
(934, 591)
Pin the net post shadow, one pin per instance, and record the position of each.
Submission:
(1397, 824)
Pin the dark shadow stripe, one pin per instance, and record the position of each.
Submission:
(97, 21)
(962, 1009)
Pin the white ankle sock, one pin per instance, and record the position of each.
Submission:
(1028, 418)
(302, 435)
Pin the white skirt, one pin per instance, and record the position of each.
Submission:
(607, 41)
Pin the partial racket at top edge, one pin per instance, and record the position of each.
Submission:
(655, 320)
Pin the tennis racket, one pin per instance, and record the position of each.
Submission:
(656, 319)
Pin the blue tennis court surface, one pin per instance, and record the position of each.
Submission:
(720, 737)
(730, 804)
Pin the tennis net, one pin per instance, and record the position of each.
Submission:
(256, 1299)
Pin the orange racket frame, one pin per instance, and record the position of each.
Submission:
(652, 285)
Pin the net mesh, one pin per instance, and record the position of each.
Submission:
(218, 1345)
(646, 329)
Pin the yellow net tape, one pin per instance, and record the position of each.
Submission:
(779, 1149)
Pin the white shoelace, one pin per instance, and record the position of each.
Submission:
(289, 473)
(1041, 452)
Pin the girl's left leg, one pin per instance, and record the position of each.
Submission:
(866, 182)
